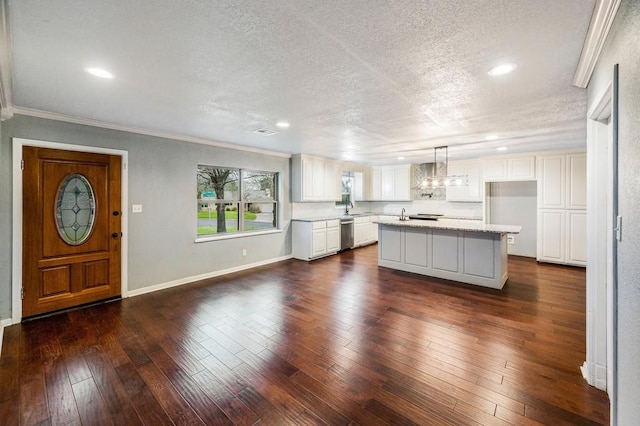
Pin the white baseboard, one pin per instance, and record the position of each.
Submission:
(4, 323)
(187, 280)
(584, 368)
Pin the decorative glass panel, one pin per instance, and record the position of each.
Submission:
(75, 209)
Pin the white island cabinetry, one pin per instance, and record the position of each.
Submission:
(472, 253)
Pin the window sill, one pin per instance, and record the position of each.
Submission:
(235, 235)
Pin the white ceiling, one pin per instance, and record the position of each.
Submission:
(366, 80)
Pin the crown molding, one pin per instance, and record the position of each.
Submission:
(6, 90)
(604, 13)
(165, 135)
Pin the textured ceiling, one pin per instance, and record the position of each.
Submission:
(366, 80)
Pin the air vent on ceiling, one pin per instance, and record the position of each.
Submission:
(264, 132)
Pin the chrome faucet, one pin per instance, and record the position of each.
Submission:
(346, 207)
(402, 214)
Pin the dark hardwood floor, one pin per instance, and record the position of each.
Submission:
(336, 341)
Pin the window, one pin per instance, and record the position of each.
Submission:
(236, 200)
(347, 189)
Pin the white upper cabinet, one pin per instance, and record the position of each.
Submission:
(473, 192)
(376, 184)
(509, 169)
(359, 186)
(391, 183)
(318, 180)
(521, 168)
(551, 182)
(576, 181)
(315, 179)
(562, 182)
(332, 180)
(494, 169)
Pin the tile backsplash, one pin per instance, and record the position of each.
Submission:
(464, 210)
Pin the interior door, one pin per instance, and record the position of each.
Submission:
(71, 229)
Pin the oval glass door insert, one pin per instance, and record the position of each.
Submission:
(75, 209)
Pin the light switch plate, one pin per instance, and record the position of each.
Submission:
(136, 208)
(511, 239)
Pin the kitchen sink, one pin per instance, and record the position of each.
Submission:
(424, 216)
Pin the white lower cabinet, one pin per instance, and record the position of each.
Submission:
(312, 240)
(562, 236)
(333, 236)
(373, 229)
(577, 237)
(364, 231)
(551, 236)
(360, 231)
(318, 242)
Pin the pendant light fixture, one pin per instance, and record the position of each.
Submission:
(435, 175)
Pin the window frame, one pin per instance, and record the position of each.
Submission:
(350, 196)
(242, 205)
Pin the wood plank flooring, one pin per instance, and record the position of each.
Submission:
(337, 341)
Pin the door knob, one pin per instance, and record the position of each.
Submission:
(114, 235)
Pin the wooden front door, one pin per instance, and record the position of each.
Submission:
(71, 229)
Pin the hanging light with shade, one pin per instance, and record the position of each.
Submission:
(435, 175)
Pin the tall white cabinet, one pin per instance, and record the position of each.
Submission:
(562, 208)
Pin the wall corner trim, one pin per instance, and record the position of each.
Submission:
(6, 89)
(604, 13)
(194, 278)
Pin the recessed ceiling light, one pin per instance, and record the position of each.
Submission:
(491, 137)
(282, 124)
(502, 148)
(99, 72)
(502, 69)
(400, 158)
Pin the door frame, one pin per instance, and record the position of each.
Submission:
(600, 366)
(16, 273)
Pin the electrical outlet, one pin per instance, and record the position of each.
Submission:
(511, 239)
(136, 208)
(244, 252)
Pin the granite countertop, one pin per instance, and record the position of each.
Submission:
(383, 216)
(453, 224)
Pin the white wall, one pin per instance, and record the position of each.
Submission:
(162, 177)
(623, 47)
(515, 203)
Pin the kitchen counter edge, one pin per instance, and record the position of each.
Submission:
(452, 225)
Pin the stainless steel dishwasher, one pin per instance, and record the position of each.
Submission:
(346, 233)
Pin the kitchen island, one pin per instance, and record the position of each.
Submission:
(467, 251)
